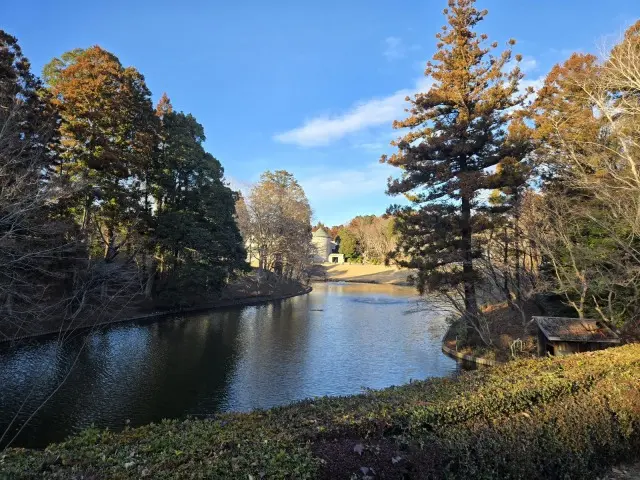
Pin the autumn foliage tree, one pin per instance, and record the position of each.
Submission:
(586, 122)
(276, 225)
(108, 134)
(457, 132)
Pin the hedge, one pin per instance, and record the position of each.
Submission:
(538, 419)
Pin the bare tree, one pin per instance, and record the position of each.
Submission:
(275, 221)
(591, 237)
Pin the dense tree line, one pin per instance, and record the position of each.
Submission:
(514, 193)
(367, 239)
(364, 239)
(104, 199)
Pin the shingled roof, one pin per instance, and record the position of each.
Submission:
(563, 329)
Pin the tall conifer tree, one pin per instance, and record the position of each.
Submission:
(108, 134)
(457, 134)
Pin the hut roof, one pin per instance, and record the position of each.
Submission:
(321, 232)
(562, 329)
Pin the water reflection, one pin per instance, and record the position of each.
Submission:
(338, 339)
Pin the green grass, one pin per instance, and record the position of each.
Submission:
(562, 418)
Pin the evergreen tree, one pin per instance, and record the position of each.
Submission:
(457, 134)
(348, 244)
(199, 246)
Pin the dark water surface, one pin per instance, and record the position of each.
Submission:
(335, 341)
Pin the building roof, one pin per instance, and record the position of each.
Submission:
(562, 329)
(321, 232)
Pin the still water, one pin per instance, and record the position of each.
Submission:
(337, 340)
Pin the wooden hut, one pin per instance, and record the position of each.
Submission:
(564, 336)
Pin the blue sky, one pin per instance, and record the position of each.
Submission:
(310, 87)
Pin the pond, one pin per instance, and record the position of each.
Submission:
(338, 340)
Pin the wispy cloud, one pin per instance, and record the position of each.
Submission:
(565, 52)
(527, 65)
(394, 48)
(238, 185)
(535, 83)
(368, 114)
(325, 130)
(347, 183)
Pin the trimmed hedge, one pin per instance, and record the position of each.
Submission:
(538, 419)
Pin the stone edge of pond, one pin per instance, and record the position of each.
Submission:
(463, 356)
(469, 358)
(238, 302)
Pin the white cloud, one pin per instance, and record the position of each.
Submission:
(536, 83)
(371, 146)
(394, 48)
(238, 185)
(527, 64)
(347, 183)
(324, 130)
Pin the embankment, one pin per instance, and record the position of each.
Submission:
(570, 417)
(238, 300)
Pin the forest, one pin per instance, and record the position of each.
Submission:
(105, 201)
(515, 193)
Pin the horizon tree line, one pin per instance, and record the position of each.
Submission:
(105, 201)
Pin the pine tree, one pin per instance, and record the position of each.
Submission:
(457, 134)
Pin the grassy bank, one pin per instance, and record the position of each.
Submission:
(547, 418)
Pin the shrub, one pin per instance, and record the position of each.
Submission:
(539, 419)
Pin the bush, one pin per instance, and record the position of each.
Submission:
(539, 419)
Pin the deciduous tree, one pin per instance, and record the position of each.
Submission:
(279, 226)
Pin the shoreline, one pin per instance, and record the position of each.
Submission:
(328, 437)
(454, 354)
(248, 301)
(355, 280)
(361, 273)
(450, 352)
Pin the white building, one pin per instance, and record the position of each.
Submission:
(325, 247)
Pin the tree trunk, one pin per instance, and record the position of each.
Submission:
(470, 300)
(86, 217)
(505, 268)
(151, 275)
(110, 250)
(516, 228)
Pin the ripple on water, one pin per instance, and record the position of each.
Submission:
(334, 341)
